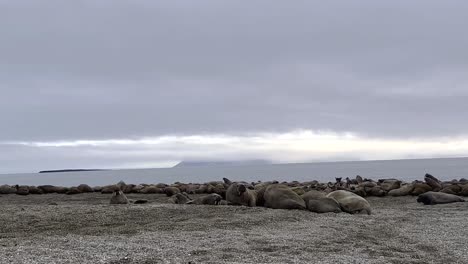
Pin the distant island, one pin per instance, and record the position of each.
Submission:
(72, 170)
(184, 164)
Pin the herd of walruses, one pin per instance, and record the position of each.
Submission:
(341, 196)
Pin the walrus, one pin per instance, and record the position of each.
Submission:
(239, 194)
(35, 190)
(119, 198)
(210, 199)
(223, 202)
(73, 190)
(464, 190)
(404, 190)
(313, 195)
(170, 191)
(110, 189)
(22, 190)
(140, 201)
(278, 196)
(180, 198)
(6, 189)
(431, 198)
(451, 189)
(390, 184)
(323, 205)
(375, 191)
(433, 182)
(84, 188)
(151, 189)
(298, 190)
(420, 188)
(350, 202)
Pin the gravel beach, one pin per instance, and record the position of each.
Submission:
(84, 228)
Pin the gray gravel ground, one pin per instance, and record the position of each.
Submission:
(86, 229)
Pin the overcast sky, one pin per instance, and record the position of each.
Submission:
(148, 83)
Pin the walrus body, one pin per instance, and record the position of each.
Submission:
(180, 198)
(420, 188)
(278, 196)
(313, 195)
(404, 190)
(210, 199)
(350, 202)
(433, 182)
(119, 198)
(239, 194)
(170, 191)
(431, 198)
(323, 205)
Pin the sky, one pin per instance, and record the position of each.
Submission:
(137, 84)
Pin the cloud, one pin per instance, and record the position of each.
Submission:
(290, 147)
(113, 71)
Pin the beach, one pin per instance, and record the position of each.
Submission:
(85, 228)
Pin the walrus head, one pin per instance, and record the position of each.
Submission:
(218, 198)
(241, 189)
(338, 180)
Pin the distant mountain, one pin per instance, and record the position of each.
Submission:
(184, 164)
(72, 170)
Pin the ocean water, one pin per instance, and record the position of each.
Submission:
(408, 170)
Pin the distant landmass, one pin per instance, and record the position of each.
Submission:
(74, 170)
(183, 164)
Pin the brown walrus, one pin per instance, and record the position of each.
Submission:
(180, 198)
(404, 190)
(119, 198)
(431, 198)
(6, 189)
(22, 190)
(210, 199)
(170, 191)
(350, 202)
(278, 196)
(313, 195)
(323, 205)
(239, 194)
(420, 188)
(433, 182)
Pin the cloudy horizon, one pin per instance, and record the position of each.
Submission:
(124, 84)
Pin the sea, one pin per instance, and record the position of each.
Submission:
(407, 170)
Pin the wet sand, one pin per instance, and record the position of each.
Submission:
(84, 228)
